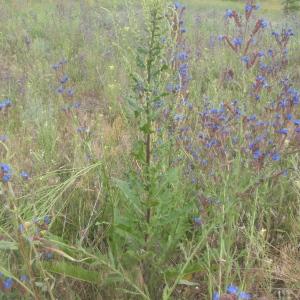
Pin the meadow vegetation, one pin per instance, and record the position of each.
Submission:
(149, 150)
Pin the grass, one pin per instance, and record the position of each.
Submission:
(130, 193)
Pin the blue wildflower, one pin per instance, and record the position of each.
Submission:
(24, 175)
(271, 52)
(197, 220)
(296, 122)
(263, 23)
(229, 13)
(5, 173)
(237, 42)
(76, 105)
(276, 157)
(82, 129)
(8, 283)
(221, 38)
(283, 131)
(257, 154)
(248, 8)
(6, 178)
(21, 228)
(55, 67)
(216, 296)
(289, 32)
(177, 5)
(290, 117)
(5, 103)
(3, 138)
(297, 129)
(232, 289)
(245, 59)
(70, 92)
(178, 117)
(261, 53)
(245, 296)
(183, 56)
(251, 118)
(5, 168)
(24, 278)
(47, 220)
(60, 90)
(64, 79)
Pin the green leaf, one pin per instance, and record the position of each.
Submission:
(146, 128)
(73, 271)
(172, 273)
(6, 245)
(130, 194)
(188, 283)
(139, 151)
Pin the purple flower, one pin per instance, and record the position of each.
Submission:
(216, 296)
(5, 103)
(64, 79)
(5, 173)
(4, 168)
(70, 92)
(183, 70)
(82, 129)
(257, 154)
(8, 283)
(289, 32)
(232, 289)
(229, 13)
(24, 278)
(271, 52)
(177, 5)
(24, 175)
(60, 90)
(248, 7)
(245, 59)
(178, 117)
(55, 67)
(283, 131)
(251, 118)
(237, 42)
(47, 220)
(276, 157)
(3, 138)
(197, 220)
(296, 122)
(21, 228)
(245, 296)
(221, 38)
(183, 56)
(263, 23)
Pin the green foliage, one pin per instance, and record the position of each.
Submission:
(119, 197)
(291, 5)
